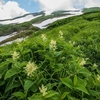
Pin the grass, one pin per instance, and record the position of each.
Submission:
(63, 68)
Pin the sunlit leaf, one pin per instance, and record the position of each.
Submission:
(19, 94)
(67, 82)
(80, 87)
(11, 72)
(28, 84)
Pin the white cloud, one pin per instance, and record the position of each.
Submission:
(52, 5)
(92, 3)
(55, 4)
(10, 9)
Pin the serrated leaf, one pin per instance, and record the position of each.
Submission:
(80, 87)
(67, 82)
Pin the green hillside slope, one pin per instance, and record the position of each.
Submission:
(60, 62)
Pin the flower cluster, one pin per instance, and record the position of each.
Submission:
(18, 41)
(53, 45)
(43, 90)
(83, 62)
(15, 55)
(43, 37)
(30, 68)
(73, 43)
(98, 77)
(61, 34)
(95, 65)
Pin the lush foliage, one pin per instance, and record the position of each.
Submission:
(58, 63)
(10, 28)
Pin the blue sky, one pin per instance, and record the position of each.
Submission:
(28, 5)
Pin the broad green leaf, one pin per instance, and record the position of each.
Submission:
(11, 72)
(36, 97)
(64, 95)
(51, 94)
(67, 82)
(81, 81)
(72, 98)
(85, 71)
(75, 80)
(34, 88)
(81, 87)
(3, 68)
(11, 85)
(2, 83)
(28, 84)
(19, 94)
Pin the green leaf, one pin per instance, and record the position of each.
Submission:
(72, 98)
(19, 94)
(81, 88)
(3, 68)
(36, 97)
(64, 95)
(51, 94)
(28, 84)
(11, 85)
(85, 71)
(11, 72)
(59, 67)
(34, 88)
(67, 82)
(75, 80)
(81, 81)
(95, 93)
(2, 83)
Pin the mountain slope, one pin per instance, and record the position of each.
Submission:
(22, 23)
(60, 62)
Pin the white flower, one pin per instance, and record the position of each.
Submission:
(95, 65)
(83, 62)
(98, 77)
(43, 90)
(18, 41)
(30, 68)
(61, 34)
(73, 43)
(52, 45)
(15, 55)
(43, 37)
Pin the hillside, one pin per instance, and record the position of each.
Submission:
(60, 62)
(92, 9)
(20, 25)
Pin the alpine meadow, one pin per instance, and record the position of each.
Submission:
(60, 62)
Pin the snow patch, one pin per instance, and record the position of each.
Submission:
(45, 23)
(7, 36)
(20, 20)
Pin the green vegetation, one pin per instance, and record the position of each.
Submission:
(8, 29)
(61, 62)
(92, 9)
